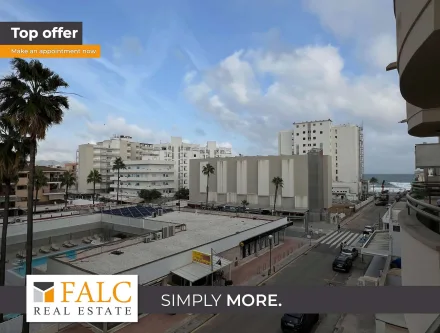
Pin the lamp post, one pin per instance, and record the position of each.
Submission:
(270, 254)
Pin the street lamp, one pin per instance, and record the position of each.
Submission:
(270, 254)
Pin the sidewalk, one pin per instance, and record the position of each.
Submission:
(348, 322)
(252, 272)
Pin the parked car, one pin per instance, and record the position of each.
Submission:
(342, 263)
(299, 322)
(350, 251)
(368, 229)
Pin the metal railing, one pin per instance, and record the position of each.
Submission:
(428, 214)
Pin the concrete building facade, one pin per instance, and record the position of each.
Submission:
(307, 181)
(48, 194)
(101, 156)
(146, 174)
(344, 143)
(418, 65)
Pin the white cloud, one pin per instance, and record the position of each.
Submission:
(62, 148)
(370, 24)
(305, 83)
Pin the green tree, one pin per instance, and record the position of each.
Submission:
(31, 97)
(244, 204)
(207, 170)
(149, 195)
(13, 155)
(95, 178)
(68, 180)
(40, 182)
(118, 165)
(373, 181)
(278, 182)
(182, 194)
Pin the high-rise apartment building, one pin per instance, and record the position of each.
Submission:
(101, 156)
(343, 142)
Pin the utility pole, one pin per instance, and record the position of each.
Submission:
(212, 267)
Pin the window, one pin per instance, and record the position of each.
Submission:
(297, 126)
(336, 164)
(336, 158)
(304, 138)
(314, 145)
(336, 171)
(396, 228)
(320, 124)
(336, 137)
(336, 131)
(304, 151)
(336, 151)
(314, 124)
(314, 131)
(304, 132)
(304, 145)
(297, 134)
(320, 132)
(314, 138)
(337, 178)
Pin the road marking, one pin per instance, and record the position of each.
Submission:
(339, 239)
(352, 240)
(331, 237)
(345, 236)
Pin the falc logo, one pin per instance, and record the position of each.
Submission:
(84, 298)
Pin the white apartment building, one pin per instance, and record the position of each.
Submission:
(343, 142)
(101, 156)
(145, 174)
(181, 153)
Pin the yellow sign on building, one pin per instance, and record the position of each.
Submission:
(201, 257)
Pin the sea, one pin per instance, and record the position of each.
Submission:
(393, 182)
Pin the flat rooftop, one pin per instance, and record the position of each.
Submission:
(201, 229)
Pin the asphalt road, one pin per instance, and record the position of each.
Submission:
(312, 269)
(369, 215)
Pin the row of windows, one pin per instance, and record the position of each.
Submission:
(304, 125)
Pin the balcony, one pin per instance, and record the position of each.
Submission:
(12, 198)
(418, 37)
(422, 123)
(420, 242)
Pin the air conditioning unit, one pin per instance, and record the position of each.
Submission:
(165, 232)
(171, 231)
(147, 239)
(159, 212)
(158, 235)
(154, 214)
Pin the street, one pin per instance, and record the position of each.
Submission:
(312, 269)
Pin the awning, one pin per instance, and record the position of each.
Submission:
(377, 245)
(196, 271)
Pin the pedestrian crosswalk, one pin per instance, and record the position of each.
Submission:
(335, 238)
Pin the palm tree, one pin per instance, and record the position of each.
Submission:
(278, 182)
(207, 170)
(40, 181)
(373, 181)
(244, 204)
(13, 155)
(94, 177)
(68, 179)
(30, 96)
(118, 165)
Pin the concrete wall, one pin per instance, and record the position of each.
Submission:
(420, 264)
(250, 178)
(161, 268)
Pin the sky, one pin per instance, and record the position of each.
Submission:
(231, 71)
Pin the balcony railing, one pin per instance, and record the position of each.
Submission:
(426, 213)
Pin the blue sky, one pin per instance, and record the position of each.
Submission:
(233, 71)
